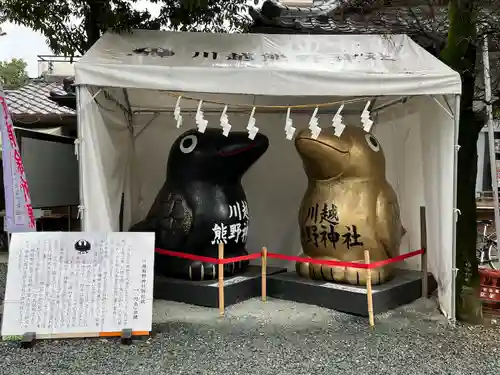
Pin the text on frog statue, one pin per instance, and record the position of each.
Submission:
(239, 211)
(324, 228)
(236, 232)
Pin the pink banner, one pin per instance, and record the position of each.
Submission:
(19, 215)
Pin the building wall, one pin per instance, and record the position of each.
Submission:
(58, 66)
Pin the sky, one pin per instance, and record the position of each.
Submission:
(23, 43)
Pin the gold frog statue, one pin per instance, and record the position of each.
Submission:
(348, 206)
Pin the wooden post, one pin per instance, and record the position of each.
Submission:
(423, 245)
(369, 290)
(264, 274)
(221, 280)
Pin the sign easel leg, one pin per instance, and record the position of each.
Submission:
(28, 341)
(126, 337)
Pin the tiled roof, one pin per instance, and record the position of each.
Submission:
(65, 96)
(277, 8)
(363, 18)
(33, 99)
(429, 24)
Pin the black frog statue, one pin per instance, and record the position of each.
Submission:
(202, 202)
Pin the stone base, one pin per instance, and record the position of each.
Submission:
(238, 288)
(405, 287)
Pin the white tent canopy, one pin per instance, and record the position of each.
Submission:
(282, 65)
(128, 86)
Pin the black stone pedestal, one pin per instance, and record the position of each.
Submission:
(238, 288)
(405, 287)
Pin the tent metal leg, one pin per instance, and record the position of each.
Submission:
(79, 153)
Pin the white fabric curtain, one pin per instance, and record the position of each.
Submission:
(105, 150)
(438, 157)
(420, 161)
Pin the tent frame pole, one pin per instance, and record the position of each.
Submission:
(129, 115)
(381, 107)
(448, 112)
(79, 152)
(128, 112)
(448, 105)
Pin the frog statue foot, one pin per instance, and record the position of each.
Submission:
(354, 276)
(199, 271)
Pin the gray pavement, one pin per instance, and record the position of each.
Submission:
(275, 337)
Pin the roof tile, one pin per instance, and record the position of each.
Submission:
(33, 99)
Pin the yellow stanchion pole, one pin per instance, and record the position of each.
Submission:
(221, 279)
(369, 292)
(264, 274)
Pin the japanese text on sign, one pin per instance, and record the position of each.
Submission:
(54, 288)
(313, 58)
(324, 56)
(323, 228)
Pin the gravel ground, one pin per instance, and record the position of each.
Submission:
(275, 337)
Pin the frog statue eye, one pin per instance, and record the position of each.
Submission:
(188, 144)
(372, 142)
